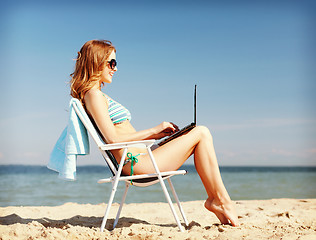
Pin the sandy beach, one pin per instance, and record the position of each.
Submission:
(259, 219)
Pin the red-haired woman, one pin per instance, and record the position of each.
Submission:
(95, 66)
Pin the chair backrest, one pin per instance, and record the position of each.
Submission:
(81, 113)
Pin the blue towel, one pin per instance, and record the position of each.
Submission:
(73, 141)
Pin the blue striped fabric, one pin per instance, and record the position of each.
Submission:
(117, 112)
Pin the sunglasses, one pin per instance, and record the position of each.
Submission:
(112, 63)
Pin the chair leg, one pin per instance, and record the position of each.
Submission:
(108, 209)
(121, 205)
(114, 187)
(178, 202)
(162, 183)
(170, 203)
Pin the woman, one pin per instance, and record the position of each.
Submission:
(95, 66)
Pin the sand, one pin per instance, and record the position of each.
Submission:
(259, 219)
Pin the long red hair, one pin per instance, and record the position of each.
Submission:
(90, 63)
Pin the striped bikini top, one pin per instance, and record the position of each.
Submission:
(117, 112)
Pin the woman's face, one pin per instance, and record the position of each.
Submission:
(108, 72)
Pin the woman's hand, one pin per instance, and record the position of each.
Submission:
(164, 129)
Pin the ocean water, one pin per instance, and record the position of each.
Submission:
(37, 185)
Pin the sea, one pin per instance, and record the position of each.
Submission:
(38, 186)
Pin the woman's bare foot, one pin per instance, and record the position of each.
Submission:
(219, 215)
(224, 212)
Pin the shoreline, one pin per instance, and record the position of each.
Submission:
(259, 219)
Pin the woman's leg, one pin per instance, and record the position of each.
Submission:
(173, 154)
(206, 165)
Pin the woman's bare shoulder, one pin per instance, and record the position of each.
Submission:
(93, 93)
(94, 96)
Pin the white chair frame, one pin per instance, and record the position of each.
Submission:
(158, 176)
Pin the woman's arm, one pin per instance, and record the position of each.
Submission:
(97, 106)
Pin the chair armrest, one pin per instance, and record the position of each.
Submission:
(137, 144)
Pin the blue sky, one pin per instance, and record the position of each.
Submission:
(253, 63)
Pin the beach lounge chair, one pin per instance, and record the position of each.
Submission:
(142, 180)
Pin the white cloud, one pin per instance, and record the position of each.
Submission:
(265, 157)
(262, 123)
(30, 154)
(306, 153)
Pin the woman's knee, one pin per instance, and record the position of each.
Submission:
(204, 132)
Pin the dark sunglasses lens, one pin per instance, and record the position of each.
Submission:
(113, 63)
